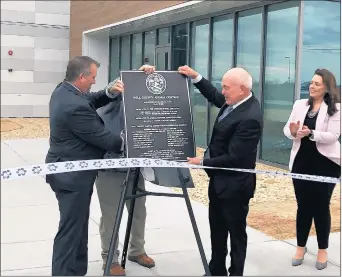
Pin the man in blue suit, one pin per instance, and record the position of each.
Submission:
(77, 133)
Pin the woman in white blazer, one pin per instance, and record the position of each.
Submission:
(314, 127)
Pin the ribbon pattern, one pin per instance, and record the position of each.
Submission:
(81, 165)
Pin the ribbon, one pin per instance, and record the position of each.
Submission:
(70, 166)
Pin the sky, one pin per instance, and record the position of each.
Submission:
(321, 39)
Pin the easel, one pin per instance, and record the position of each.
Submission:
(142, 193)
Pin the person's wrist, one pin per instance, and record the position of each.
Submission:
(110, 88)
(113, 91)
(194, 75)
(109, 94)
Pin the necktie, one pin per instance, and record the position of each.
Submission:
(225, 112)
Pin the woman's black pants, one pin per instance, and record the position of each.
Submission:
(313, 203)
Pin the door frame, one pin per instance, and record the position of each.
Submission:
(160, 49)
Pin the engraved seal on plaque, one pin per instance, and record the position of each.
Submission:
(156, 83)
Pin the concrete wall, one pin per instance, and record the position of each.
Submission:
(38, 34)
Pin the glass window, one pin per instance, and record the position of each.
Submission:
(249, 45)
(199, 61)
(180, 35)
(149, 47)
(164, 36)
(321, 41)
(114, 59)
(222, 55)
(125, 53)
(281, 42)
(136, 51)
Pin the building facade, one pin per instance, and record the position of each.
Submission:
(34, 54)
(280, 43)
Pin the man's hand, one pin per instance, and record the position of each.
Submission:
(304, 132)
(148, 69)
(294, 127)
(117, 87)
(195, 160)
(188, 71)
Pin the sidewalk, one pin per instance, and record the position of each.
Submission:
(29, 218)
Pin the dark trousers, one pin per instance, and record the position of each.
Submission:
(313, 201)
(70, 249)
(313, 198)
(227, 216)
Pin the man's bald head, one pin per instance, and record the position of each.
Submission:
(236, 85)
(241, 76)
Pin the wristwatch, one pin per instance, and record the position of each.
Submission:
(311, 135)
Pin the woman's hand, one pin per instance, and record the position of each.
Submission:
(294, 127)
(304, 132)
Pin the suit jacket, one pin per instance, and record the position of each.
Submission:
(326, 133)
(233, 144)
(77, 133)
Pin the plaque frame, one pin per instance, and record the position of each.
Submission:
(193, 140)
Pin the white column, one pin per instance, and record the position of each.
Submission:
(96, 46)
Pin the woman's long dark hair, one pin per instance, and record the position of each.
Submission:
(332, 96)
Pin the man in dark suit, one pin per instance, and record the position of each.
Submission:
(235, 137)
(76, 133)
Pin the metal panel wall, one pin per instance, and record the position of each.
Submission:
(37, 32)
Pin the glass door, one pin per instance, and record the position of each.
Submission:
(163, 58)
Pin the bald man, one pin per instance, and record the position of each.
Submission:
(233, 144)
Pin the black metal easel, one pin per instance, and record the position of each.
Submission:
(142, 193)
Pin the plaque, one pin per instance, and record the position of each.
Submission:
(158, 115)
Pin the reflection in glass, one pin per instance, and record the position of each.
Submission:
(199, 61)
(149, 47)
(125, 53)
(221, 55)
(136, 51)
(321, 41)
(114, 59)
(180, 35)
(279, 80)
(249, 45)
(164, 36)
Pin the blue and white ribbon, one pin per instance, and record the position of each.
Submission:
(70, 166)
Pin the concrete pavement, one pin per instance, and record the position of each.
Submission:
(29, 219)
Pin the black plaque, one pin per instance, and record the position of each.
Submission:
(158, 115)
